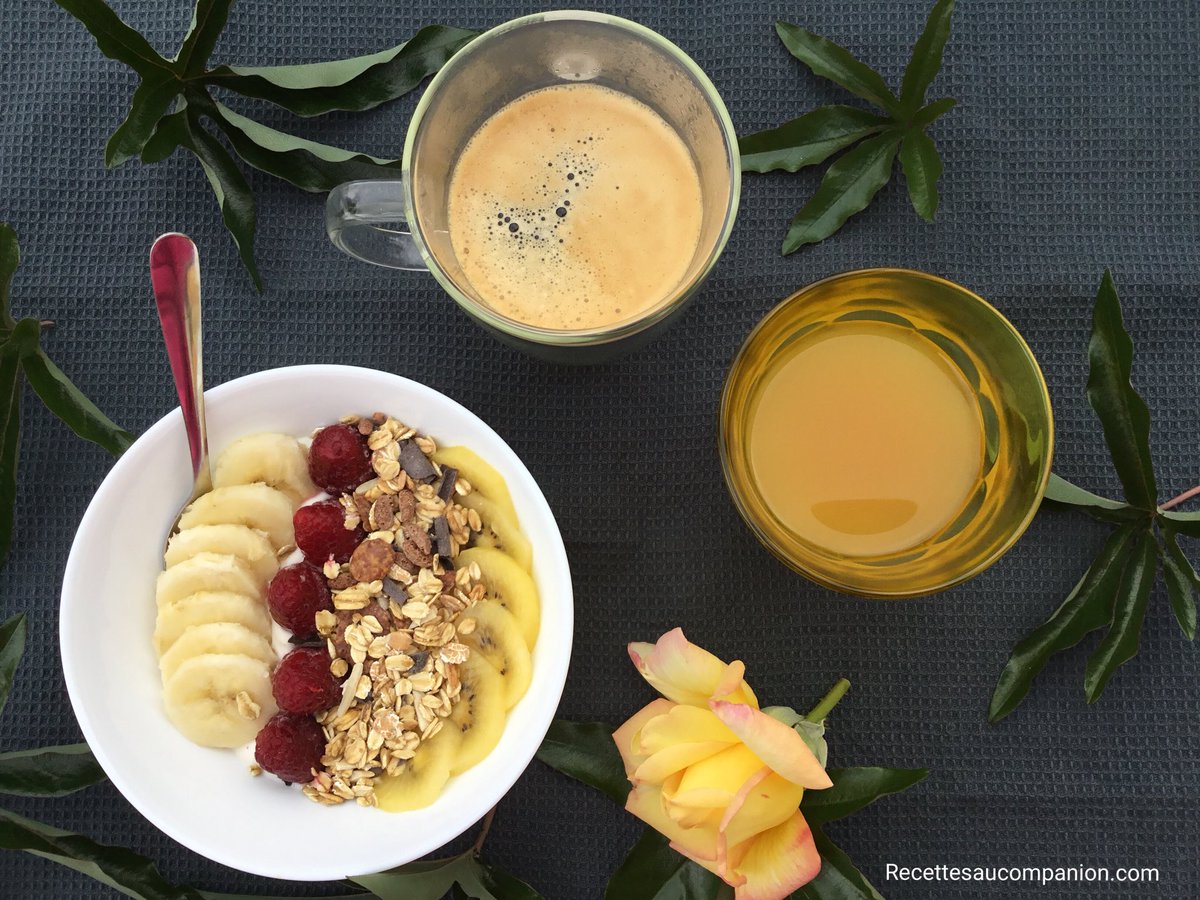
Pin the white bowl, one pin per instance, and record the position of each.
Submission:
(205, 798)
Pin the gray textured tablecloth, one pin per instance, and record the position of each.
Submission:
(1074, 146)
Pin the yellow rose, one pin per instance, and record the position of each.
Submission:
(718, 777)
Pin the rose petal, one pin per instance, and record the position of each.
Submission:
(734, 807)
(685, 673)
(777, 862)
(685, 725)
(645, 802)
(627, 736)
(771, 801)
(778, 746)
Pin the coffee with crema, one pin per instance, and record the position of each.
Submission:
(573, 207)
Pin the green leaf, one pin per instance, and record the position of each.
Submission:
(808, 140)
(922, 169)
(838, 878)
(349, 84)
(651, 870)
(813, 734)
(848, 186)
(1182, 523)
(423, 880)
(12, 647)
(1088, 607)
(853, 789)
(208, 21)
(927, 115)
(307, 165)
(926, 59)
(432, 879)
(10, 436)
(122, 869)
(170, 133)
(586, 752)
(150, 102)
(1122, 412)
(10, 259)
(68, 403)
(1121, 641)
(829, 60)
(49, 771)
(232, 190)
(502, 886)
(1182, 583)
(1060, 492)
(115, 39)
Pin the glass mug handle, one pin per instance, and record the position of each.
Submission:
(366, 219)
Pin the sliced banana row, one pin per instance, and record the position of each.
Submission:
(498, 672)
(213, 631)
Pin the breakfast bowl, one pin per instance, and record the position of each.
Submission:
(205, 798)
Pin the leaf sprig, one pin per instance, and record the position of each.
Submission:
(652, 870)
(23, 359)
(1115, 588)
(854, 178)
(174, 100)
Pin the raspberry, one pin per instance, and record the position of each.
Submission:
(290, 747)
(295, 595)
(302, 682)
(339, 459)
(321, 532)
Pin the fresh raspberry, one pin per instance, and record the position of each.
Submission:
(339, 459)
(302, 682)
(321, 532)
(295, 595)
(290, 747)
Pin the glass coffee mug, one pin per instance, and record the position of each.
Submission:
(404, 223)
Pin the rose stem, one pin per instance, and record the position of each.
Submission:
(829, 701)
(1186, 495)
(483, 832)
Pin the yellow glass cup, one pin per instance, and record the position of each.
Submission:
(1003, 378)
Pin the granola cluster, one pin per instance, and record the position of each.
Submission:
(400, 608)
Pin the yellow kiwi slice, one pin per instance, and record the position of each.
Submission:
(497, 638)
(420, 780)
(479, 712)
(509, 585)
(483, 478)
(500, 531)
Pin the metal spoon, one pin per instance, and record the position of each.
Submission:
(175, 274)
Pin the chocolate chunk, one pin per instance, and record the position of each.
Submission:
(420, 660)
(395, 590)
(301, 641)
(441, 532)
(371, 560)
(406, 506)
(449, 477)
(415, 463)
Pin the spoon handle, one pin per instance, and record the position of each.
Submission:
(175, 274)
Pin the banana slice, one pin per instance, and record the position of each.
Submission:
(257, 506)
(274, 459)
(485, 480)
(497, 637)
(204, 607)
(500, 531)
(207, 572)
(422, 778)
(215, 637)
(508, 585)
(478, 712)
(250, 546)
(219, 699)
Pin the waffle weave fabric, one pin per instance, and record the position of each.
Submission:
(1073, 147)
